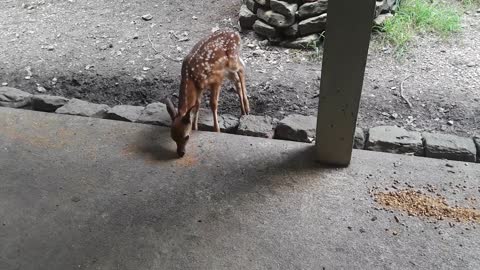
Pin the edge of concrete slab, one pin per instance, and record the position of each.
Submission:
(388, 143)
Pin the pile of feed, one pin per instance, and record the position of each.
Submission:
(417, 204)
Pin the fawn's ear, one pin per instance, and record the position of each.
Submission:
(170, 108)
(187, 118)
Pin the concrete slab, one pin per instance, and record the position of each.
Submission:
(84, 193)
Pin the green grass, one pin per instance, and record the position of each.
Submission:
(421, 16)
(316, 50)
(470, 3)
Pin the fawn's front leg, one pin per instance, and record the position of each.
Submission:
(195, 115)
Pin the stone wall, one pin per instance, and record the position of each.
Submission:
(293, 23)
(293, 127)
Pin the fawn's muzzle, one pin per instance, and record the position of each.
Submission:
(181, 151)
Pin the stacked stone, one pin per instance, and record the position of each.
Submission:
(385, 6)
(292, 23)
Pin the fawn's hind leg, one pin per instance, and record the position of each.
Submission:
(215, 93)
(241, 75)
(236, 79)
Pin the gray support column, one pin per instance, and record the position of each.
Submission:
(349, 27)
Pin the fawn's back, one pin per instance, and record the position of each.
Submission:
(211, 57)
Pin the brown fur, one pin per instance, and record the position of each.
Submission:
(209, 61)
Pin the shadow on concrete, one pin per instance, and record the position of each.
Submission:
(163, 225)
(152, 144)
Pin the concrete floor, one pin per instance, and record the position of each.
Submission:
(82, 193)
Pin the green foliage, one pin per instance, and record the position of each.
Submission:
(421, 16)
(316, 48)
(470, 3)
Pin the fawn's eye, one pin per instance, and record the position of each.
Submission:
(187, 137)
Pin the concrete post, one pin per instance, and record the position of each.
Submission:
(349, 27)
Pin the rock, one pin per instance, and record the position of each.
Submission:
(155, 114)
(297, 127)
(274, 18)
(312, 9)
(28, 6)
(393, 139)
(291, 31)
(264, 29)
(392, 5)
(383, 6)
(445, 146)
(264, 3)
(359, 139)
(258, 53)
(41, 89)
(147, 17)
(227, 122)
(49, 47)
(252, 5)
(47, 103)
(256, 126)
(263, 43)
(380, 20)
(307, 42)
(83, 108)
(313, 25)
(246, 18)
(125, 113)
(14, 98)
(284, 8)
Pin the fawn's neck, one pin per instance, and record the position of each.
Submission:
(182, 98)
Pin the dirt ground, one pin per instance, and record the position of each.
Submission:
(103, 51)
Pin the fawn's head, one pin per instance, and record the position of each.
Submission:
(181, 127)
